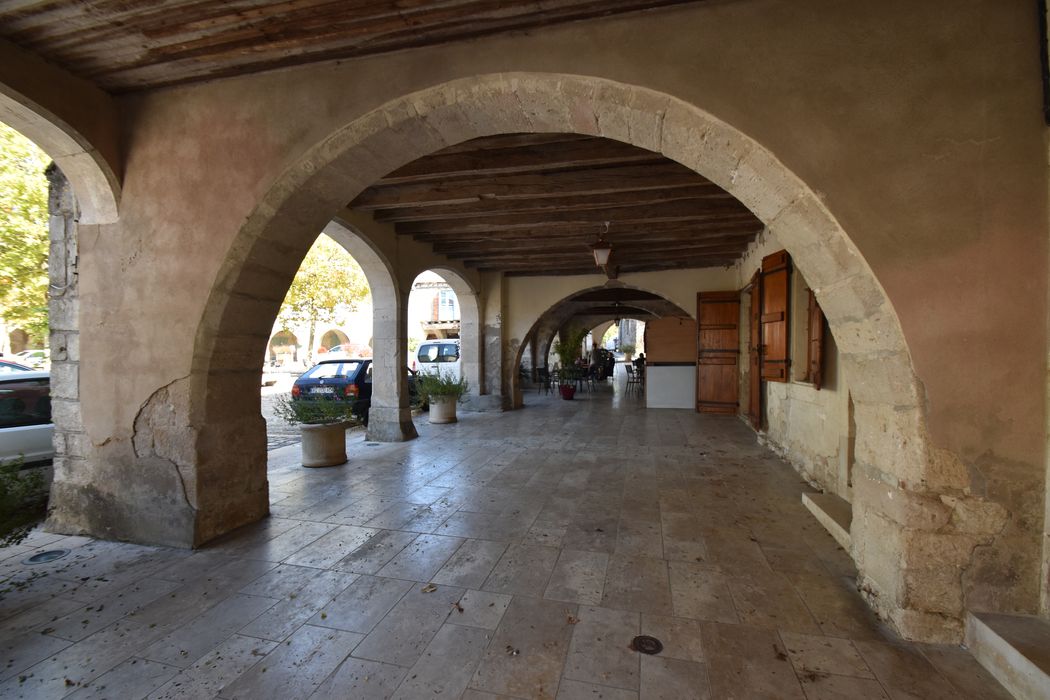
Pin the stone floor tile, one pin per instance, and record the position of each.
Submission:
(526, 656)
(768, 600)
(361, 680)
(471, 694)
(523, 570)
(81, 662)
(430, 518)
(361, 606)
(327, 549)
(577, 690)
(396, 515)
(748, 662)
(639, 584)
(447, 664)
(964, 672)
(735, 553)
(197, 637)
(295, 669)
(824, 655)
(421, 559)
(288, 543)
(107, 610)
(600, 650)
(427, 495)
(135, 678)
(471, 564)
(218, 668)
(905, 672)
(836, 607)
(547, 534)
(578, 577)
(404, 633)
(681, 637)
(826, 687)
(283, 618)
(673, 679)
(480, 609)
(592, 534)
(638, 536)
(280, 581)
(40, 616)
(374, 554)
(18, 652)
(701, 593)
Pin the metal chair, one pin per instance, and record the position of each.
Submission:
(542, 379)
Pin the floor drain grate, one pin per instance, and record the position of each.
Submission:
(371, 444)
(45, 557)
(645, 644)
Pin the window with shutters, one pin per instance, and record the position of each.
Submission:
(774, 320)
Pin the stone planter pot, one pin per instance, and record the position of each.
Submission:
(443, 409)
(324, 445)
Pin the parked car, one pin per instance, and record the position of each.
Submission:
(342, 379)
(7, 366)
(25, 417)
(442, 356)
(39, 359)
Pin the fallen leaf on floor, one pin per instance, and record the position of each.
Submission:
(511, 651)
(429, 588)
(458, 607)
(571, 619)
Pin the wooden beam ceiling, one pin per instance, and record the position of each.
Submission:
(126, 45)
(534, 204)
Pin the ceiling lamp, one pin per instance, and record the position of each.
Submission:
(601, 249)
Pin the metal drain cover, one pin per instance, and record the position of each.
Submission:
(644, 644)
(371, 444)
(45, 557)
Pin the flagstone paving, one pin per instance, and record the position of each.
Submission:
(508, 555)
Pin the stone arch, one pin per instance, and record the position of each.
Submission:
(892, 441)
(333, 337)
(470, 336)
(95, 184)
(282, 338)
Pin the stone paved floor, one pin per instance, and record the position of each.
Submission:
(510, 555)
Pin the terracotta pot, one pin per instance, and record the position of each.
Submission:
(567, 392)
(443, 409)
(324, 444)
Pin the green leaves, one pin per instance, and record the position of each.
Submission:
(23, 233)
(328, 278)
(23, 501)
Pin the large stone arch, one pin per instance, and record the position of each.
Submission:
(893, 452)
(472, 351)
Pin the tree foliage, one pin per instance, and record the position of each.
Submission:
(23, 233)
(328, 281)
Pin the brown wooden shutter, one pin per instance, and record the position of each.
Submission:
(815, 344)
(775, 303)
(718, 352)
(754, 406)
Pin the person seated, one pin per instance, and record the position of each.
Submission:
(639, 362)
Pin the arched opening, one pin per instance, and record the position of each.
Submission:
(283, 349)
(892, 450)
(333, 339)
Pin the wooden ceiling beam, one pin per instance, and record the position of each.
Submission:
(549, 157)
(499, 205)
(651, 231)
(625, 258)
(595, 181)
(457, 249)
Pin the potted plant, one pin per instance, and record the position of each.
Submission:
(322, 425)
(442, 392)
(628, 351)
(568, 351)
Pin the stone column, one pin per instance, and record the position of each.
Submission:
(63, 311)
(390, 417)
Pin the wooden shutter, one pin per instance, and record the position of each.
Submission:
(754, 406)
(775, 303)
(815, 344)
(718, 352)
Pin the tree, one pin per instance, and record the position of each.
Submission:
(328, 279)
(23, 233)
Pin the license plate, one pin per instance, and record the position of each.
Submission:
(323, 390)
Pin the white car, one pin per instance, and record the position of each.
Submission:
(26, 430)
(34, 358)
(440, 356)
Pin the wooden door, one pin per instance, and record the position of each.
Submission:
(773, 350)
(718, 351)
(754, 406)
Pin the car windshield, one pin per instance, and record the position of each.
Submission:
(433, 352)
(327, 370)
(8, 367)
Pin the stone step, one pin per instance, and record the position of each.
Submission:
(1015, 649)
(834, 513)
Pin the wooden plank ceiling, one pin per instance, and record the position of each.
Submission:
(533, 204)
(125, 45)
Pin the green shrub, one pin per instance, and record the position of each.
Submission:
(23, 501)
(313, 412)
(437, 385)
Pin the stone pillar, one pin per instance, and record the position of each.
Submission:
(390, 417)
(63, 311)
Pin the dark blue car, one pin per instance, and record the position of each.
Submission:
(342, 379)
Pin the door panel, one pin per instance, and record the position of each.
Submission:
(718, 352)
(774, 319)
(754, 406)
